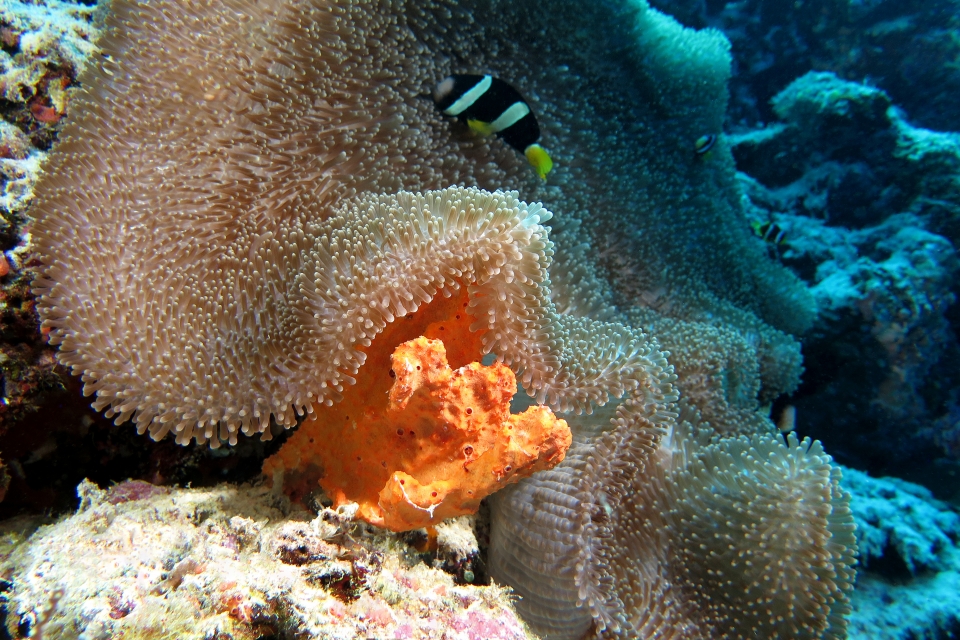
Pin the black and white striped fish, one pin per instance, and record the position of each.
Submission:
(705, 144)
(769, 232)
(489, 105)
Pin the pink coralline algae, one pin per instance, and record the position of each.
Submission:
(480, 626)
(146, 563)
(130, 490)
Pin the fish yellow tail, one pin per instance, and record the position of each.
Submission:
(540, 159)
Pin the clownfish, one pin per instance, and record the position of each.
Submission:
(489, 105)
(769, 232)
(704, 144)
(787, 421)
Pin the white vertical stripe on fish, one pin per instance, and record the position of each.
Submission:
(510, 117)
(469, 97)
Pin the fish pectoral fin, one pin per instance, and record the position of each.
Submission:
(483, 128)
(540, 159)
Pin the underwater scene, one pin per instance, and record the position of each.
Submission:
(479, 319)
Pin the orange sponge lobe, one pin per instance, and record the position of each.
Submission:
(468, 443)
(444, 440)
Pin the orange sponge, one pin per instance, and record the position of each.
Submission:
(467, 444)
(414, 442)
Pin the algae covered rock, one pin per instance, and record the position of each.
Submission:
(139, 561)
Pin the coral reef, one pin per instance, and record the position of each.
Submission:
(910, 555)
(437, 443)
(223, 262)
(43, 49)
(869, 206)
(233, 562)
(908, 48)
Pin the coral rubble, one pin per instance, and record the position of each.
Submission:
(139, 561)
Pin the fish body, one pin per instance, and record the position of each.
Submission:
(490, 106)
(704, 144)
(769, 232)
